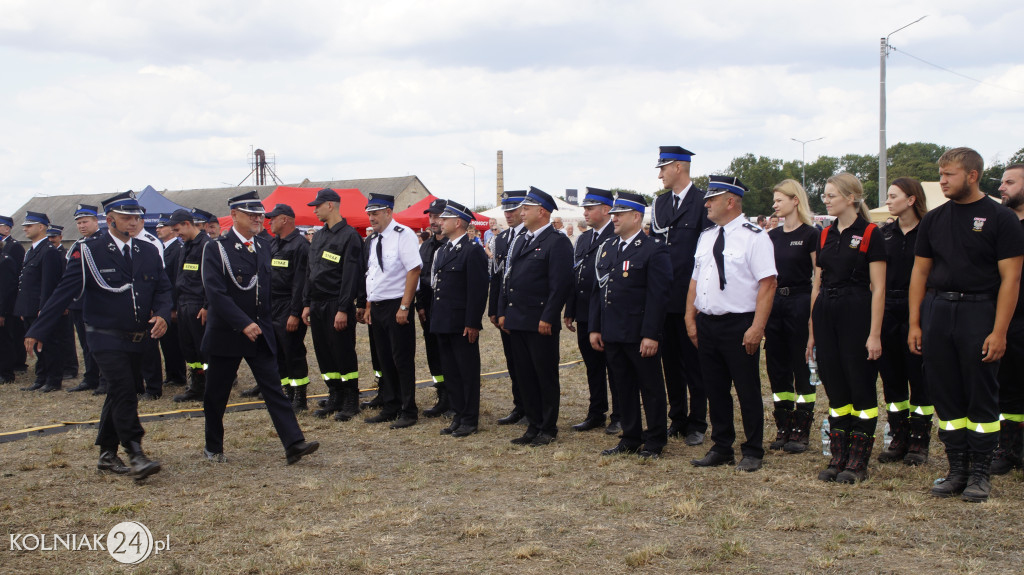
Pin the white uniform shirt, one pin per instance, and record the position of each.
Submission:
(401, 254)
(145, 236)
(749, 257)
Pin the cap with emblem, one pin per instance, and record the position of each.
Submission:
(163, 221)
(669, 154)
(512, 199)
(436, 206)
(719, 185)
(7, 221)
(55, 231)
(457, 210)
(598, 197)
(281, 210)
(380, 202)
(84, 211)
(627, 201)
(36, 218)
(325, 195)
(249, 202)
(538, 197)
(123, 203)
(197, 216)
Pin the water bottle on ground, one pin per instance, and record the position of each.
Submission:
(813, 365)
(825, 443)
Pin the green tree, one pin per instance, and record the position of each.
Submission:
(759, 174)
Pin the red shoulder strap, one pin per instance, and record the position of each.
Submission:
(824, 234)
(867, 238)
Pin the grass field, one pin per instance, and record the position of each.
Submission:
(375, 500)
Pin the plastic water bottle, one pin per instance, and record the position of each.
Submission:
(887, 438)
(825, 441)
(813, 365)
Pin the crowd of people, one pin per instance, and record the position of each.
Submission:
(669, 317)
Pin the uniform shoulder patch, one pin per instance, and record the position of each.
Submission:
(710, 227)
(752, 227)
(399, 229)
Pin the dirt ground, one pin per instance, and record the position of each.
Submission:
(375, 500)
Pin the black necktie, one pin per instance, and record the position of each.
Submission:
(380, 252)
(675, 202)
(127, 255)
(719, 257)
(526, 244)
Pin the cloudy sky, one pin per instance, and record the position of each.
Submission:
(107, 96)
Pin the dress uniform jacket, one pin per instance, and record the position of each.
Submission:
(76, 304)
(289, 259)
(628, 301)
(237, 284)
(40, 273)
(578, 304)
(119, 319)
(428, 250)
(11, 257)
(501, 244)
(460, 288)
(680, 229)
(538, 283)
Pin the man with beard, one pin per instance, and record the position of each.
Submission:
(1011, 369)
(424, 304)
(968, 258)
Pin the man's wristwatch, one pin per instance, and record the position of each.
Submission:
(403, 307)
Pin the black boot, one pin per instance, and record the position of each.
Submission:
(899, 428)
(839, 445)
(195, 389)
(978, 485)
(442, 402)
(253, 391)
(1011, 443)
(109, 461)
(956, 480)
(142, 466)
(289, 392)
(298, 397)
(374, 403)
(799, 431)
(857, 462)
(918, 440)
(349, 401)
(783, 420)
(333, 400)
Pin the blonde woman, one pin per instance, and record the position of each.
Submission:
(785, 335)
(846, 324)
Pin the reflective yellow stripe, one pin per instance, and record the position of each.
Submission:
(279, 263)
(809, 398)
(901, 406)
(438, 378)
(784, 396)
(300, 382)
(865, 414)
(331, 257)
(978, 427)
(190, 267)
(923, 409)
(349, 376)
(285, 382)
(1018, 417)
(196, 365)
(332, 375)
(840, 411)
(953, 425)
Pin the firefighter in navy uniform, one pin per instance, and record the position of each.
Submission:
(424, 305)
(538, 280)
(678, 217)
(190, 299)
(236, 275)
(126, 298)
(963, 290)
(459, 280)
(633, 273)
(11, 256)
(87, 221)
(733, 288)
(332, 285)
(511, 204)
(596, 205)
(170, 344)
(40, 272)
(66, 346)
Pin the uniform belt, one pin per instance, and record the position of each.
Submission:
(900, 293)
(725, 316)
(387, 301)
(132, 336)
(960, 296)
(792, 290)
(840, 291)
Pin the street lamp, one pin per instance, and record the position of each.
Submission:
(882, 152)
(473, 207)
(803, 161)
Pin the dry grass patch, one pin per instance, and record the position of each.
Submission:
(645, 555)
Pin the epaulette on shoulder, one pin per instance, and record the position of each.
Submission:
(752, 227)
(712, 226)
(92, 238)
(399, 229)
(150, 237)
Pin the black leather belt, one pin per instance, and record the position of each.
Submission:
(132, 336)
(792, 290)
(382, 302)
(960, 296)
(841, 291)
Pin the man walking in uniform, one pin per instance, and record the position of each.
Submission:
(627, 311)
(511, 205)
(424, 305)
(678, 219)
(596, 205)
(40, 272)
(963, 290)
(11, 256)
(733, 287)
(236, 275)
(459, 279)
(126, 298)
(391, 278)
(190, 299)
(538, 281)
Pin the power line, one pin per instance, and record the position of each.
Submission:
(955, 73)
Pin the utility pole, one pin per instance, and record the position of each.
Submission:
(883, 159)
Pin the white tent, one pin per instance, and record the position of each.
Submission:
(569, 213)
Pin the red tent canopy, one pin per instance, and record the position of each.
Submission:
(353, 207)
(417, 220)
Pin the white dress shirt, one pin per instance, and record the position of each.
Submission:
(749, 257)
(401, 254)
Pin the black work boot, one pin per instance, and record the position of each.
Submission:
(1011, 443)
(783, 420)
(918, 440)
(956, 480)
(195, 389)
(899, 428)
(857, 462)
(349, 401)
(442, 404)
(799, 431)
(298, 397)
(333, 400)
(839, 445)
(978, 485)
(142, 466)
(253, 391)
(109, 461)
(289, 392)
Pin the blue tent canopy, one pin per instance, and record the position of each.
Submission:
(155, 204)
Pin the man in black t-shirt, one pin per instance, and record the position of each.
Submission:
(968, 258)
